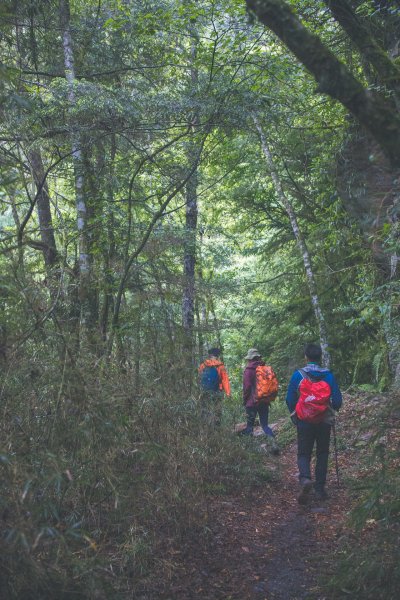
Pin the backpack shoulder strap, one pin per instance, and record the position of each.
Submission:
(312, 378)
(304, 375)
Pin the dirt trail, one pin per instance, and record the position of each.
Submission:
(264, 545)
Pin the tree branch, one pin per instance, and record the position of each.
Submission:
(387, 72)
(333, 77)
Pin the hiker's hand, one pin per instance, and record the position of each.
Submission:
(293, 418)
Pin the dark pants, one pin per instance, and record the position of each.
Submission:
(262, 412)
(307, 435)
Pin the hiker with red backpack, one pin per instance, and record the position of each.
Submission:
(214, 381)
(312, 397)
(260, 388)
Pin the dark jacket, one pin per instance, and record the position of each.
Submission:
(249, 382)
(292, 395)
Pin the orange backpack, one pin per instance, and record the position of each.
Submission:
(266, 385)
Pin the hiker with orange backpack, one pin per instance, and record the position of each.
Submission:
(312, 397)
(260, 388)
(214, 381)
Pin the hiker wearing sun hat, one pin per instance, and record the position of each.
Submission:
(252, 354)
(260, 388)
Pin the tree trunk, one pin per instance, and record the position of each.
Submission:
(81, 208)
(200, 337)
(391, 328)
(391, 323)
(216, 327)
(189, 263)
(43, 210)
(189, 260)
(137, 350)
(42, 198)
(200, 302)
(93, 169)
(17, 222)
(333, 77)
(301, 243)
(387, 71)
(109, 250)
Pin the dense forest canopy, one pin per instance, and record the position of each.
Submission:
(175, 175)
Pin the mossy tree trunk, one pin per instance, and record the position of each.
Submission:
(387, 72)
(370, 108)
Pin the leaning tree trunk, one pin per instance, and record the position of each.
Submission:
(84, 263)
(387, 71)
(370, 108)
(43, 210)
(301, 243)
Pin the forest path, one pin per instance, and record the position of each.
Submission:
(263, 545)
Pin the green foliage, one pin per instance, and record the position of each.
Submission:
(368, 572)
(78, 476)
(103, 444)
(367, 566)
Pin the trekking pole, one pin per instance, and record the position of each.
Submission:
(336, 452)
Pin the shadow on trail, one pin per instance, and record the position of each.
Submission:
(299, 541)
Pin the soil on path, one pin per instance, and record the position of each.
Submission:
(263, 545)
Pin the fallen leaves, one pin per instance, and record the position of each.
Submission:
(260, 541)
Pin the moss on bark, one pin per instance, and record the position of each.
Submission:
(333, 77)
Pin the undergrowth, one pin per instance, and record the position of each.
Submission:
(367, 566)
(97, 481)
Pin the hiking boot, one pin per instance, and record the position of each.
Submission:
(245, 432)
(320, 494)
(306, 485)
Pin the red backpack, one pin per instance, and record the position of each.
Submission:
(314, 396)
(266, 386)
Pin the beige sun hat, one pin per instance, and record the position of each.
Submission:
(252, 353)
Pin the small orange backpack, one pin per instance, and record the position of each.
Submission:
(266, 385)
